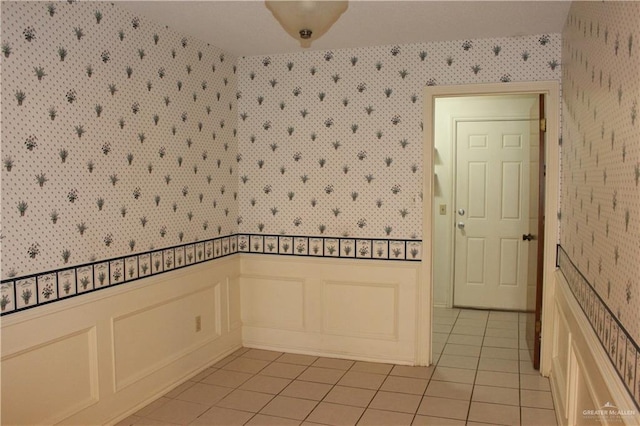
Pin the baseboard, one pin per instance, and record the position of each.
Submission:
(325, 354)
(331, 307)
(197, 370)
(97, 362)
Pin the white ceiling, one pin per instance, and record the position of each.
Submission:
(247, 28)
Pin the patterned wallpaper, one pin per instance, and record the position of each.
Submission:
(600, 206)
(120, 156)
(118, 137)
(331, 141)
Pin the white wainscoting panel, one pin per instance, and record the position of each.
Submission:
(331, 307)
(46, 383)
(582, 377)
(148, 339)
(234, 320)
(272, 301)
(560, 360)
(361, 309)
(97, 358)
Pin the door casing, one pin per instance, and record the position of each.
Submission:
(551, 90)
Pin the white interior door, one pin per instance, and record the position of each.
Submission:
(492, 213)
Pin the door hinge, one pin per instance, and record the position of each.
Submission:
(543, 124)
(538, 326)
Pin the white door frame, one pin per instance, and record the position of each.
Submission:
(552, 182)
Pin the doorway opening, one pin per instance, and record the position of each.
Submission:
(446, 188)
(486, 201)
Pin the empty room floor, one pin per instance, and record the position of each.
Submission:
(481, 375)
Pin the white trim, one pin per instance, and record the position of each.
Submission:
(589, 361)
(425, 289)
(88, 298)
(317, 313)
(174, 384)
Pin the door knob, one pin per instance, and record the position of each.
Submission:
(461, 212)
(527, 237)
(461, 225)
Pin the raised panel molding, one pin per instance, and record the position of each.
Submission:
(272, 301)
(582, 379)
(150, 338)
(58, 377)
(98, 359)
(360, 309)
(234, 321)
(217, 288)
(330, 307)
(560, 359)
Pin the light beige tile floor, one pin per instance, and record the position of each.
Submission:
(482, 374)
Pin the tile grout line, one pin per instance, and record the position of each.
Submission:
(328, 392)
(377, 391)
(254, 375)
(473, 386)
(317, 403)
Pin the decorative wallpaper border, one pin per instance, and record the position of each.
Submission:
(333, 247)
(21, 293)
(623, 352)
(30, 291)
(331, 140)
(132, 129)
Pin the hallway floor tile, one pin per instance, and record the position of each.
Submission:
(482, 374)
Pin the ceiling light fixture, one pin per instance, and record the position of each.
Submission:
(306, 20)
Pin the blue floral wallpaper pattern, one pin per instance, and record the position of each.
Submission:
(330, 142)
(600, 206)
(120, 153)
(118, 138)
